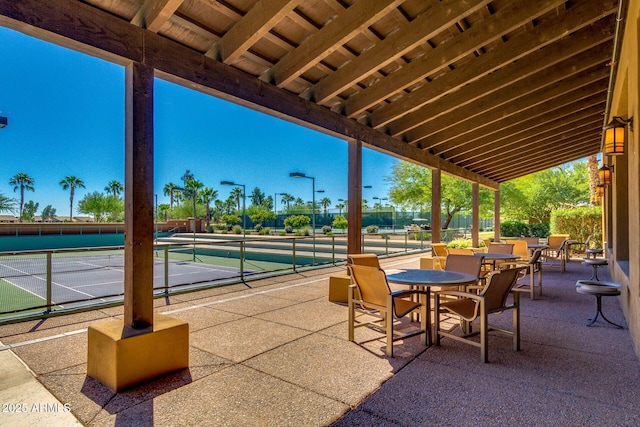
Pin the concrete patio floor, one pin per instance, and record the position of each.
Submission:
(277, 354)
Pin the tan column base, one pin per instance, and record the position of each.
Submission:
(120, 356)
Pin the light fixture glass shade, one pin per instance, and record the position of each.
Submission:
(600, 190)
(614, 135)
(604, 173)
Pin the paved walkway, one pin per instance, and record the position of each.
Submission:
(277, 354)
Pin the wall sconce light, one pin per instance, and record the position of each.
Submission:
(604, 173)
(600, 190)
(614, 135)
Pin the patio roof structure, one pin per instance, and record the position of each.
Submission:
(483, 90)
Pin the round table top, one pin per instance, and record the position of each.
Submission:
(496, 256)
(537, 246)
(597, 287)
(595, 261)
(431, 277)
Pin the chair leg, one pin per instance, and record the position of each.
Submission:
(532, 288)
(388, 322)
(516, 321)
(436, 310)
(484, 343)
(352, 315)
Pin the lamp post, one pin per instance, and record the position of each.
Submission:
(244, 199)
(3, 121)
(313, 207)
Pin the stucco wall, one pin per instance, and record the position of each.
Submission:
(625, 206)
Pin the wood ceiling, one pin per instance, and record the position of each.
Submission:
(489, 90)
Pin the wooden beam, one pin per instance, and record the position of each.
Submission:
(528, 149)
(82, 26)
(547, 34)
(330, 37)
(505, 20)
(514, 115)
(437, 16)
(138, 188)
(354, 199)
(154, 13)
(554, 119)
(258, 21)
(560, 60)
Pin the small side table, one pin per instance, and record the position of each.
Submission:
(595, 263)
(599, 290)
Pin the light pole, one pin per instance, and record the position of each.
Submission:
(3, 121)
(244, 199)
(313, 207)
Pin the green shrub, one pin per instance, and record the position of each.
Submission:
(539, 229)
(288, 229)
(282, 233)
(420, 235)
(237, 229)
(578, 223)
(340, 222)
(210, 229)
(257, 228)
(264, 231)
(326, 229)
(459, 243)
(372, 229)
(514, 229)
(297, 221)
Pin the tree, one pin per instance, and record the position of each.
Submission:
(164, 208)
(29, 212)
(411, 188)
(207, 195)
(297, 221)
(287, 199)
(114, 187)
(23, 182)
(102, 207)
(594, 177)
(7, 204)
(340, 206)
(535, 196)
(71, 183)
(260, 214)
(325, 202)
(188, 176)
(48, 213)
(167, 190)
(340, 222)
(257, 197)
(236, 193)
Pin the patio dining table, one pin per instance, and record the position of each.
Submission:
(493, 257)
(425, 279)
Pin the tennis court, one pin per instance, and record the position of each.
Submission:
(92, 276)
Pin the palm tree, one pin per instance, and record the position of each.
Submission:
(287, 198)
(71, 182)
(167, 190)
(6, 204)
(24, 182)
(114, 187)
(340, 206)
(164, 207)
(236, 193)
(207, 195)
(325, 202)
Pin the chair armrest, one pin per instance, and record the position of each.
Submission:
(406, 292)
(460, 294)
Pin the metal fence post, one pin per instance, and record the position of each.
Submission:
(333, 250)
(242, 259)
(49, 282)
(294, 254)
(166, 270)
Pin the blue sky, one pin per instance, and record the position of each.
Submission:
(66, 117)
